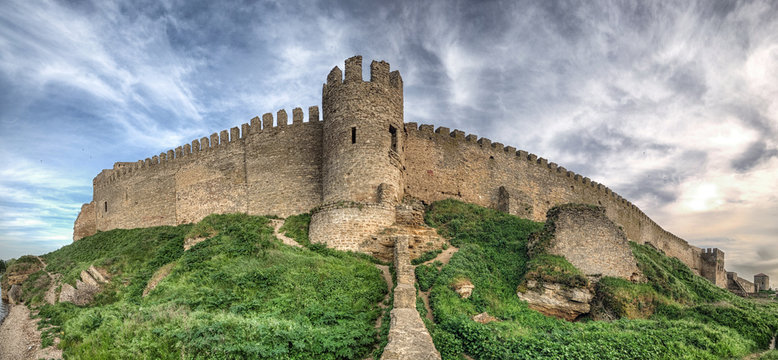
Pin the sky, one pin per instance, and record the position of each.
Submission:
(672, 104)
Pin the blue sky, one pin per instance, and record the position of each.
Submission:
(674, 105)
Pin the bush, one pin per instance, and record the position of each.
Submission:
(426, 275)
(427, 256)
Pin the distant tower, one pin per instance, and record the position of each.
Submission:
(761, 282)
(362, 167)
(713, 267)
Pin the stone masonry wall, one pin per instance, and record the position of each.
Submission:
(260, 168)
(447, 164)
(345, 226)
(592, 242)
(85, 223)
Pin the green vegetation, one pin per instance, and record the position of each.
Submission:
(427, 256)
(2, 266)
(296, 227)
(675, 315)
(238, 294)
(770, 355)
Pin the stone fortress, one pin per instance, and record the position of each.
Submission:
(360, 169)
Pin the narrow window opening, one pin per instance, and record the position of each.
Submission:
(393, 131)
(354, 135)
(105, 205)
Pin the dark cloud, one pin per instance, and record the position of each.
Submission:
(689, 81)
(755, 154)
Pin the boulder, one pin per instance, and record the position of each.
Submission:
(464, 288)
(557, 300)
(484, 318)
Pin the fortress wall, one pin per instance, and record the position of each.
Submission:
(283, 167)
(260, 168)
(136, 197)
(343, 226)
(444, 164)
(211, 178)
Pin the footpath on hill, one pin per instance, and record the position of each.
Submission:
(19, 335)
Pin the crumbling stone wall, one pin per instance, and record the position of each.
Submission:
(85, 222)
(739, 285)
(590, 241)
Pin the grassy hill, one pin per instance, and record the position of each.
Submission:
(241, 293)
(675, 315)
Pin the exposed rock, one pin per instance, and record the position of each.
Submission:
(98, 274)
(17, 273)
(87, 278)
(484, 318)
(85, 289)
(15, 294)
(189, 243)
(558, 301)
(158, 276)
(464, 288)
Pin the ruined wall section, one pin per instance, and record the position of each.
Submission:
(443, 164)
(591, 242)
(86, 222)
(738, 285)
(260, 168)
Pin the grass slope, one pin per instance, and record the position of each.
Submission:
(239, 294)
(686, 317)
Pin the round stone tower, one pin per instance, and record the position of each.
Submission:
(363, 138)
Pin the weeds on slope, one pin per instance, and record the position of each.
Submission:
(493, 255)
(238, 294)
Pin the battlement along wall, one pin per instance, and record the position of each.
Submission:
(443, 164)
(260, 168)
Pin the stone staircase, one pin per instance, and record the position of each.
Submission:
(408, 337)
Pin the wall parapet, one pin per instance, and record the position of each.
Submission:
(215, 142)
(443, 133)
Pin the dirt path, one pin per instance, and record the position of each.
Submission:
(389, 285)
(757, 355)
(277, 223)
(444, 257)
(51, 293)
(20, 339)
(19, 335)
